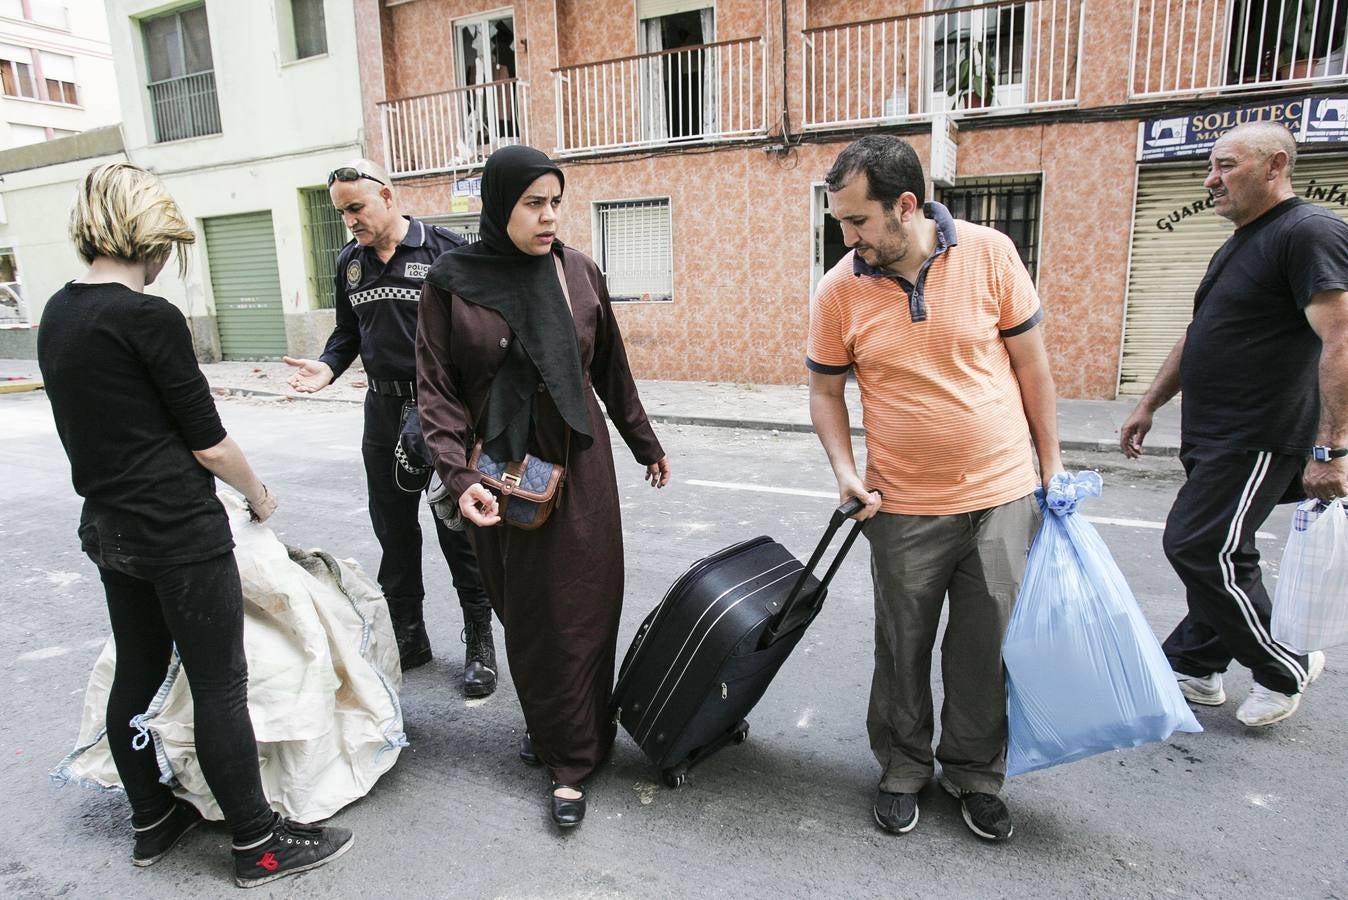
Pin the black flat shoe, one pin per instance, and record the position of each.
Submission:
(527, 754)
(567, 813)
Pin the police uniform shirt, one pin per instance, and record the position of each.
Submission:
(376, 303)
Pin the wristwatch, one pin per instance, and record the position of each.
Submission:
(1325, 454)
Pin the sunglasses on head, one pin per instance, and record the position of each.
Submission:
(349, 173)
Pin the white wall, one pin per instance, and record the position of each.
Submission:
(87, 41)
(267, 107)
(284, 126)
(37, 209)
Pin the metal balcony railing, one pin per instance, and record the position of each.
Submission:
(709, 92)
(1186, 47)
(184, 107)
(989, 56)
(455, 129)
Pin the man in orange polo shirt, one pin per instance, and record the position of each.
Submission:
(937, 319)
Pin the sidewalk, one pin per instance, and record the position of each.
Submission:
(1083, 424)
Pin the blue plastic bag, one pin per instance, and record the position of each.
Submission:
(1085, 673)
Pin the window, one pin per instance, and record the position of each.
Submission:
(324, 235)
(484, 57)
(43, 12)
(635, 249)
(182, 79)
(16, 71)
(47, 12)
(1011, 205)
(58, 75)
(979, 56)
(304, 30)
(678, 90)
(1284, 42)
(20, 134)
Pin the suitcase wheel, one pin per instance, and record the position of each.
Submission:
(741, 733)
(676, 776)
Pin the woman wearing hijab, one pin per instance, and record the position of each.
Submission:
(516, 337)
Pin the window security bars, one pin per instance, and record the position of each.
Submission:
(1010, 205)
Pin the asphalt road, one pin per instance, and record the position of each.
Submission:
(1228, 813)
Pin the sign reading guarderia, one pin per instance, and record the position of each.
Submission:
(1313, 120)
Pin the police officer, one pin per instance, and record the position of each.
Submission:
(379, 276)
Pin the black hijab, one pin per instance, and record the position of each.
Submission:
(524, 289)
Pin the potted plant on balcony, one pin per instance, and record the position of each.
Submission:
(975, 82)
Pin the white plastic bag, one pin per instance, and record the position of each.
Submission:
(323, 681)
(1310, 603)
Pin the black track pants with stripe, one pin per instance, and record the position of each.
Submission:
(1209, 540)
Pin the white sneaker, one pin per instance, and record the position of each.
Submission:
(1265, 706)
(1205, 691)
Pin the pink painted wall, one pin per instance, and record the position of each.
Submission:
(742, 229)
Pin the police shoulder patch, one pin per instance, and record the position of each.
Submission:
(353, 273)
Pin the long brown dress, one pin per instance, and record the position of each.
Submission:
(558, 590)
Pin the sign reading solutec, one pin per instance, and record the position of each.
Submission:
(1310, 119)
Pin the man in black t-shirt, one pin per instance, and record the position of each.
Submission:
(1264, 417)
(379, 277)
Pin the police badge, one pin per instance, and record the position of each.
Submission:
(353, 273)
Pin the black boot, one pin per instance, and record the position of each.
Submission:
(479, 658)
(414, 645)
(409, 629)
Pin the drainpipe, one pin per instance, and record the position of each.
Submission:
(786, 106)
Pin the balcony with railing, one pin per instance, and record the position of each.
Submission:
(964, 60)
(704, 93)
(1188, 47)
(453, 130)
(184, 107)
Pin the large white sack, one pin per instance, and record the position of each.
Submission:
(323, 681)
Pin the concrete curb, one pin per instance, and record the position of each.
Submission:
(19, 385)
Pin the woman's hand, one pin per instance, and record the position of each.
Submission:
(657, 473)
(478, 506)
(260, 508)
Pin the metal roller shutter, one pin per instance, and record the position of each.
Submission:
(1175, 233)
(241, 254)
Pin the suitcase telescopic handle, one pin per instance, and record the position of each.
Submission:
(840, 515)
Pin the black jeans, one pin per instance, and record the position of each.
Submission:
(1209, 540)
(394, 514)
(199, 607)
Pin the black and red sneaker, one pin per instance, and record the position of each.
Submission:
(291, 848)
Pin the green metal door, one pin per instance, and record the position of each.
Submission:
(241, 253)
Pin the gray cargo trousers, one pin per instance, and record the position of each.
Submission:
(978, 560)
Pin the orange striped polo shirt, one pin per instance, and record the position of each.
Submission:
(945, 426)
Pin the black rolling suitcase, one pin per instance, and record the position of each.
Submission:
(706, 654)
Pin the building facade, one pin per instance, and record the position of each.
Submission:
(56, 70)
(56, 79)
(695, 135)
(242, 107)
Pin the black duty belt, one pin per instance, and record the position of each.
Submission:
(393, 388)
